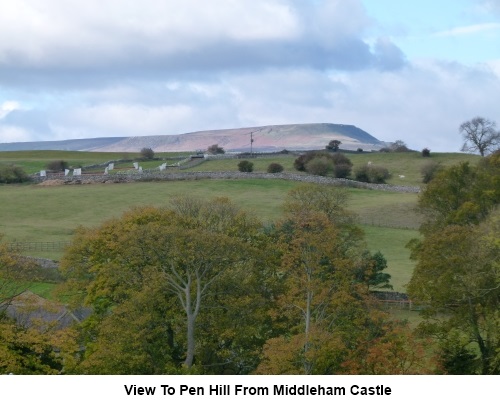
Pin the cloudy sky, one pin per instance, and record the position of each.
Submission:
(410, 70)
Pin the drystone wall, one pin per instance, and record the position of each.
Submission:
(155, 175)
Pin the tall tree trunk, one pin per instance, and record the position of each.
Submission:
(190, 340)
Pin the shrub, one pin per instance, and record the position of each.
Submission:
(429, 171)
(147, 153)
(359, 150)
(399, 146)
(426, 152)
(12, 174)
(300, 162)
(245, 166)
(57, 165)
(361, 174)
(325, 163)
(342, 171)
(341, 165)
(275, 168)
(340, 158)
(216, 150)
(379, 174)
(396, 146)
(372, 174)
(319, 166)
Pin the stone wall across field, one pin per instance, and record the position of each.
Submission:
(155, 175)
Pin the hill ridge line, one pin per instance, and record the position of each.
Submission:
(265, 138)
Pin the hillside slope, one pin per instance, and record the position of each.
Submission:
(265, 138)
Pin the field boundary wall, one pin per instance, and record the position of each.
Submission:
(155, 175)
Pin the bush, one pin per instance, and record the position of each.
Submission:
(275, 168)
(379, 174)
(12, 174)
(147, 153)
(399, 146)
(245, 166)
(359, 150)
(341, 165)
(426, 152)
(342, 171)
(319, 166)
(372, 174)
(216, 150)
(300, 162)
(57, 165)
(396, 146)
(429, 171)
(325, 163)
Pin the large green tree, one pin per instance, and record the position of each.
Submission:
(327, 321)
(183, 265)
(461, 195)
(456, 277)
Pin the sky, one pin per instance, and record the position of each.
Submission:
(400, 70)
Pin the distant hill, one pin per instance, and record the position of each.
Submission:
(265, 138)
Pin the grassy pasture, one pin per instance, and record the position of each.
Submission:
(34, 161)
(260, 164)
(38, 213)
(391, 242)
(407, 164)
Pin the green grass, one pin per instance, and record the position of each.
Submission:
(43, 289)
(385, 209)
(260, 164)
(34, 161)
(407, 164)
(391, 242)
(37, 213)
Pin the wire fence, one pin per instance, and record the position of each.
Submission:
(38, 246)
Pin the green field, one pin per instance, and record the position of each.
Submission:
(406, 164)
(34, 161)
(35, 213)
(51, 213)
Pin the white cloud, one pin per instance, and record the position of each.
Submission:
(423, 104)
(494, 65)
(93, 32)
(77, 43)
(126, 68)
(469, 29)
(119, 120)
(10, 133)
(7, 107)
